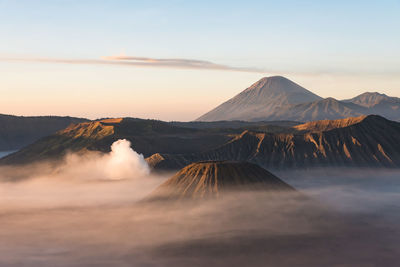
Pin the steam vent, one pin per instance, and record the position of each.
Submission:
(211, 178)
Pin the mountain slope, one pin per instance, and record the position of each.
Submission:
(371, 99)
(277, 98)
(213, 178)
(261, 100)
(146, 136)
(369, 141)
(18, 131)
(327, 125)
(325, 109)
(377, 103)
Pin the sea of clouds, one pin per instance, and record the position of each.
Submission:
(88, 210)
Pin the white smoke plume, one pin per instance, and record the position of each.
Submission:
(121, 163)
(87, 179)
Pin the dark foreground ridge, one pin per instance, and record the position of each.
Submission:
(366, 141)
(213, 178)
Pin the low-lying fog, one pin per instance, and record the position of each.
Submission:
(87, 212)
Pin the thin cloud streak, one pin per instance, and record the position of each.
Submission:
(138, 62)
(180, 63)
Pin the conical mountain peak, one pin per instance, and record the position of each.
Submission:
(212, 178)
(261, 100)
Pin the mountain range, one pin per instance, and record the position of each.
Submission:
(146, 136)
(365, 141)
(277, 98)
(259, 125)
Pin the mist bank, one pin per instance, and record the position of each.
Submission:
(82, 213)
(88, 179)
(246, 229)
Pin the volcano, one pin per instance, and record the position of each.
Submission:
(213, 178)
(277, 98)
(261, 100)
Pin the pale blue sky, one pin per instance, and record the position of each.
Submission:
(334, 48)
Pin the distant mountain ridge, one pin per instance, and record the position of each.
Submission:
(324, 109)
(372, 99)
(19, 131)
(380, 104)
(277, 98)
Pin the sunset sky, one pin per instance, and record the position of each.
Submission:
(175, 60)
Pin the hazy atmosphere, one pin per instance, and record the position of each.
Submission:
(75, 57)
(349, 218)
(199, 133)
